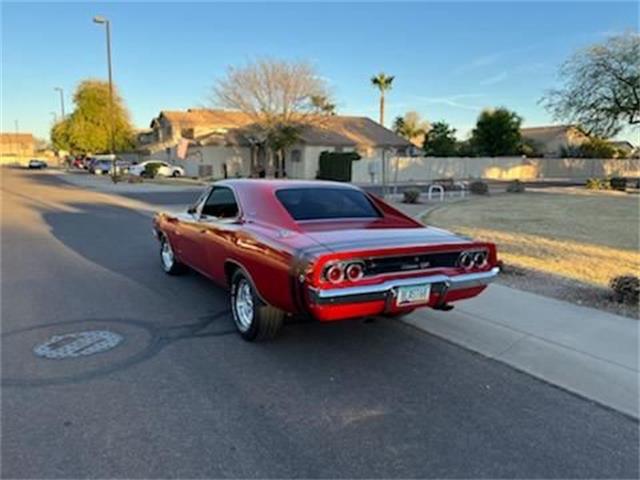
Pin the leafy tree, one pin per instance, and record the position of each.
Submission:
(601, 90)
(88, 128)
(465, 149)
(411, 127)
(280, 97)
(497, 133)
(323, 105)
(60, 138)
(531, 148)
(280, 138)
(440, 141)
(597, 148)
(383, 83)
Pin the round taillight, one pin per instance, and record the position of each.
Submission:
(354, 271)
(334, 273)
(480, 259)
(466, 260)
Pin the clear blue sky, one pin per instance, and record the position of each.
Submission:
(450, 59)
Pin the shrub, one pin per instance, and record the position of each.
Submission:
(626, 289)
(597, 148)
(411, 196)
(597, 184)
(515, 187)
(618, 183)
(151, 169)
(479, 187)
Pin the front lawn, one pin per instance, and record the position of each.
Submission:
(590, 238)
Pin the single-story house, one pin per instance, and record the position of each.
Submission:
(624, 146)
(551, 141)
(17, 144)
(221, 143)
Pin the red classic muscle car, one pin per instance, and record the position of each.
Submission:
(322, 249)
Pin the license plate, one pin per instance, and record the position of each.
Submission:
(413, 294)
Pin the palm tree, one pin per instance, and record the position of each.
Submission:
(412, 127)
(383, 83)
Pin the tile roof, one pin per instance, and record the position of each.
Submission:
(16, 138)
(331, 131)
(546, 133)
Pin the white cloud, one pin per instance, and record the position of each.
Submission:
(478, 62)
(456, 101)
(500, 77)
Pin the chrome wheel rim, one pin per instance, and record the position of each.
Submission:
(243, 305)
(167, 256)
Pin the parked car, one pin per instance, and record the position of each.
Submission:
(36, 163)
(80, 162)
(163, 169)
(323, 249)
(101, 166)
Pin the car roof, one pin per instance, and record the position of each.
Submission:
(278, 184)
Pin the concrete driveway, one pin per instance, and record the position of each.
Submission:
(183, 396)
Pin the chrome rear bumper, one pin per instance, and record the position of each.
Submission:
(381, 291)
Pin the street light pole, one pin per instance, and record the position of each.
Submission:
(61, 90)
(102, 20)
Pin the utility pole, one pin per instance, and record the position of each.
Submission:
(61, 90)
(18, 145)
(99, 19)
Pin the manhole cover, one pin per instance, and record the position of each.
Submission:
(77, 344)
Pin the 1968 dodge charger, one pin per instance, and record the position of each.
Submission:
(326, 250)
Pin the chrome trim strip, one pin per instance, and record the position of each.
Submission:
(381, 290)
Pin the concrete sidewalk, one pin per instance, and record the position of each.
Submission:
(586, 351)
(103, 183)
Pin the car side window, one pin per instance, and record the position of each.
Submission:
(221, 204)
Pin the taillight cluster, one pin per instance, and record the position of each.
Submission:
(473, 259)
(339, 272)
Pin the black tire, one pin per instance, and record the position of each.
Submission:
(175, 174)
(264, 322)
(170, 266)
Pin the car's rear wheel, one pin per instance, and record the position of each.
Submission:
(175, 173)
(170, 264)
(254, 319)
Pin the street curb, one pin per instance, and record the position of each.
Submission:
(630, 414)
(576, 370)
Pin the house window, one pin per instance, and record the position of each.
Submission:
(296, 155)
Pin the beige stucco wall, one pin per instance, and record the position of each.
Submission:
(237, 159)
(504, 168)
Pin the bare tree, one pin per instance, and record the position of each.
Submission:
(280, 97)
(272, 91)
(601, 89)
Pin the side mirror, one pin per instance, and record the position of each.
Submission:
(191, 210)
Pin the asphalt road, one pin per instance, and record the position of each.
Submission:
(183, 396)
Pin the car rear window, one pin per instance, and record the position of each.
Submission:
(326, 203)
